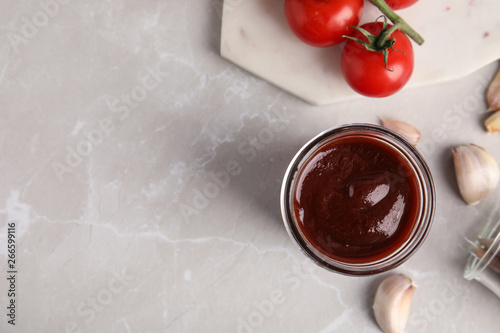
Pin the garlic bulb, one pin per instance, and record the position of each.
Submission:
(409, 132)
(476, 171)
(492, 123)
(392, 303)
(493, 93)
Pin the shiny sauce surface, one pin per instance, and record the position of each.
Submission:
(356, 200)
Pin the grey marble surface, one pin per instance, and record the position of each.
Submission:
(118, 123)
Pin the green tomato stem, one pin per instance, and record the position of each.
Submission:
(398, 21)
(383, 37)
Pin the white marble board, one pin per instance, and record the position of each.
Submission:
(460, 37)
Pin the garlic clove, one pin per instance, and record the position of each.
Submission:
(493, 93)
(392, 303)
(476, 171)
(409, 132)
(492, 123)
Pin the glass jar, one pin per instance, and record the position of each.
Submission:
(356, 235)
(483, 264)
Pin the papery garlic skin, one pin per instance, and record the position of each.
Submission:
(408, 131)
(476, 171)
(392, 303)
(493, 93)
(492, 123)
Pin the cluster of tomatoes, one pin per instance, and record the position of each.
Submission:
(370, 72)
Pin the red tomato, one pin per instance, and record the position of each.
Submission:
(365, 70)
(322, 23)
(400, 4)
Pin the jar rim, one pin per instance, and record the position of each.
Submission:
(425, 187)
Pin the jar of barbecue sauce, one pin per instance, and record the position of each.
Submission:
(358, 199)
